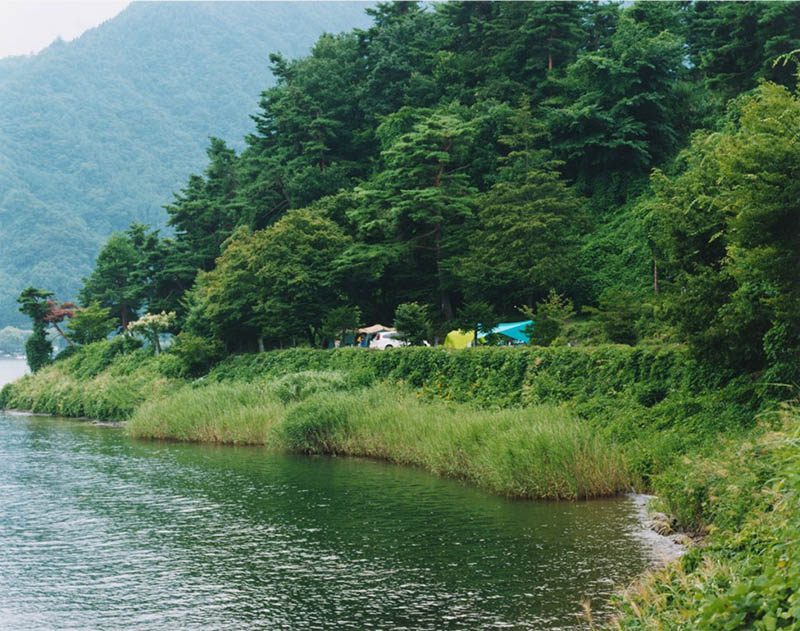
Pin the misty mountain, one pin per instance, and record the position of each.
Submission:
(99, 132)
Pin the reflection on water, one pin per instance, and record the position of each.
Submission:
(101, 532)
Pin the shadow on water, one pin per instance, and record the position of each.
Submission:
(104, 532)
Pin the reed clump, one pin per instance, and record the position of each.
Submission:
(535, 452)
(540, 451)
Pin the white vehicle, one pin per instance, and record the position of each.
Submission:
(387, 339)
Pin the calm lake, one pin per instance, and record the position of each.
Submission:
(101, 532)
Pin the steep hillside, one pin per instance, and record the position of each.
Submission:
(99, 132)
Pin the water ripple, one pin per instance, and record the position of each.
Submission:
(99, 532)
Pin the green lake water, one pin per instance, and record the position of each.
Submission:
(98, 531)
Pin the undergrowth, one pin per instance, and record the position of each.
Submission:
(746, 497)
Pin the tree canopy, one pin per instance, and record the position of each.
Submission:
(477, 159)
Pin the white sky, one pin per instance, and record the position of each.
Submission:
(28, 26)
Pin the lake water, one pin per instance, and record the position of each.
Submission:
(98, 531)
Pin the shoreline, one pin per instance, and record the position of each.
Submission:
(491, 417)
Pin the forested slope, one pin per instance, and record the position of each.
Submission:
(97, 133)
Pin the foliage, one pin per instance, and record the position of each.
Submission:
(90, 324)
(412, 323)
(35, 304)
(477, 316)
(726, 223)
(340, 321)
(273, 285)
(151, 326)
(549, 318)
(524, 238)
(196, 355)
(618, 311)
(745, 495)
(115, 282)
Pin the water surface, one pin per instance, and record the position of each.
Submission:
(101, 532)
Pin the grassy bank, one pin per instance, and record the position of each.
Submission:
(651, 406)
(540, 451)
(746, 496)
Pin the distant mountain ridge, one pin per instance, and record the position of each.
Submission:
(98, 132)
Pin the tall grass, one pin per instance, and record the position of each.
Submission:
(535, 452)
(106, 396)
(746, 496)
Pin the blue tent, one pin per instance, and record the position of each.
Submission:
(514, 330)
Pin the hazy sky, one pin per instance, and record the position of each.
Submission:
(27, 26)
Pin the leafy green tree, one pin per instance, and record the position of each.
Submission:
(735, 44)
(550, 316)
(423, 197)
(116, 281)
(34, 304)
(412, 323)
(92, 323)
(618, 112)
(205, 213)
(196, 355)
(526, 235)
(618, 311)
(727, 224)
(272, 286)
(339, 321)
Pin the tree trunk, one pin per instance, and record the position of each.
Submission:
(260, 344)
(444, 295)
(655, 278)
(69, 341)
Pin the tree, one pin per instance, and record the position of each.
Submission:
(273, 285)
(412, 323)
(205, 213)
(33, 303)
(728, 224)
(92, 323)
(339, 321)
(116, 281)
(618, 111)
(151, 326)
(424, 196)
(58, 313)
(735, 44)
(477, 316)
(527, 231)
(549, 318)
(618, 312)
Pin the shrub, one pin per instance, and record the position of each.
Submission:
(195, 355)
(311, 425)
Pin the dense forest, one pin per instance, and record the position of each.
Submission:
(97, 132)
(481, 161)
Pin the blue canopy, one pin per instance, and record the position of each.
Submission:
(514, 330)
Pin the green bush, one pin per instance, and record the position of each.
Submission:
(194, 355)
(310, 426)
